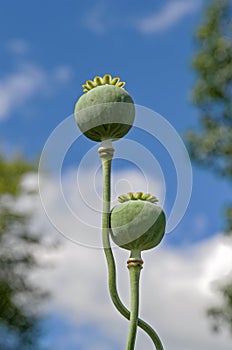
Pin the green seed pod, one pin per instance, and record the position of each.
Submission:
(137, 223)
(106, 111)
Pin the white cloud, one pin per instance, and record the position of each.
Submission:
(176, 285)
(20, 86)
(171, 13)
(79, 203)
(175, 291)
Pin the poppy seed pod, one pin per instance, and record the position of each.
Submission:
(137, 223)
(105, 111)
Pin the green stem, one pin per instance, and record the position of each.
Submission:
(106, 171)
(134, 287)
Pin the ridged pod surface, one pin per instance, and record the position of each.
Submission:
(137, 223)
(106, 111)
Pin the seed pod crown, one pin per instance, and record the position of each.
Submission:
(136, 196)
(98, 81)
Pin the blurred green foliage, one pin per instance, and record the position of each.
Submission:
(211, 145)
(222, 314)
(19, 298)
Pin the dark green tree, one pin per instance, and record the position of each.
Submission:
(19, 298)
(211, 145)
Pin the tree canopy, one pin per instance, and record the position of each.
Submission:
(19, 298)
(211, 144)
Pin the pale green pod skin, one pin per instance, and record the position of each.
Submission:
(137, 225)
(105, 112)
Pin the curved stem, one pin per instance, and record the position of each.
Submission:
(106, 171)
(134, 287)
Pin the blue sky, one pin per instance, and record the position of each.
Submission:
(49, 49)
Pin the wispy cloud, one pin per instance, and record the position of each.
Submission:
(171, 13)
(97, 20)
(104, 17)
(20, 86)
(18, 46)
